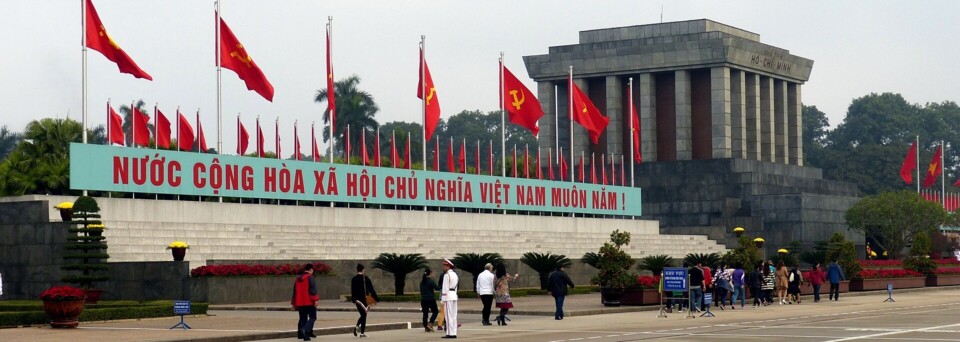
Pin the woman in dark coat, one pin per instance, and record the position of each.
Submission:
(428, 302)
(360, 287)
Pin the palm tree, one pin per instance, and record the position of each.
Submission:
(705, 259)
(590, 258)
(8, 141)
(399, 265)
(97, 135)
(128, 121)
(655, 263)
(355, 107)
(544, 264)
(40, 163)
(473, 263)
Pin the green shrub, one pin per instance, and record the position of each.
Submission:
(544, 264)
(20, 313)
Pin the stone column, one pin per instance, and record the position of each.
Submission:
(720, 112)
(647, 108)
(781, 155)
(738, 146)
(615, 143)
(767, 131)
(581, 138)
(548, 126)
(752, 115)
(795, 124)
(684, 114)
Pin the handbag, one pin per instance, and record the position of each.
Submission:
(369, 298)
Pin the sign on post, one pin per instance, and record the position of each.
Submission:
(889, 293)
(674, 279)
(181, 307)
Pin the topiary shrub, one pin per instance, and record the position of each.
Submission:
(614, 263)
(86, 249)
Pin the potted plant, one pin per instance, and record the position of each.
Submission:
(86, 251)
(66, 210)
(645, 291)
(758, 242)
(178, 249)
(738, 231)
(63, 304)
(613, 264)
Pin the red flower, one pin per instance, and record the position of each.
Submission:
(879, 262)
(63, 293)
(947, 270)
(950, 261)
(901, 273)
(648, 282)
(256, 270)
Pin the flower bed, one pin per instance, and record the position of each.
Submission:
(896, 273)
(646, 293)
(240, 270)
(878, 280)
(950, 261)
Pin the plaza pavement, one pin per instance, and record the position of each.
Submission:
(917, 315)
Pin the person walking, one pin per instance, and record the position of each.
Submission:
(783, 277)
(793, 287)
(769, 282)
(428, 303)
(448, 296)
(707, 286)
(737, 279)
(723, 286)
(485, 285)
(816, 279)
(696, 287)
(304, 300)
(364, 297)
(835, 276)
(504, 301)
(755, 282)
(557, 284)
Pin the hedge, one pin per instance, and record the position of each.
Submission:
(471, 294)
(11, 317)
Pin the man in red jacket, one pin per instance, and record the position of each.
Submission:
(304, 300)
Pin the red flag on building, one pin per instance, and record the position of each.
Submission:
(564, 168)
(98, 39)
(316, 151)
(394, 156)
(462, 158)
(201, 140)
(550, 164)
(521, 105)
(909, 164)
(234, 56)
(935, 168)
(244, 139)
(115, 127)
(582, 168)
(539, 170)
(185, 136)
(162, 130)
(406, 154)
(451, 165)
(260, 152)
(296, 142)
(430, 100)
(331, 93)
(587, 115)
(363, 147)
(593, 168)
(141, 133)
(603, 169)
(623, 177)
(637, 156)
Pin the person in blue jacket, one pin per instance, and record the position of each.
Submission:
(835, 276)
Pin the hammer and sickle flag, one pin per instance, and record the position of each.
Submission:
(98, 39)
(521, 105)
(934, 170)
(587, 115)
(234, 56)
(431, 102)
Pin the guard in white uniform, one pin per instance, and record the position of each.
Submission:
(448, 295)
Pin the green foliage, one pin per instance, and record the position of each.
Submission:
(816, 256)
(655, 263)
(919, 259)
(40, 163)
(355, 107)
(473, 263)
(543, 264)
(399, 265)
(614, 263)
(86, 262)
(745, 255)
(590, 258)
(845, 253)
(8, 141)
(705, 259)
(32, 313)
(894, 219)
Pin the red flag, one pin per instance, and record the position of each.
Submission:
(637, 156)
(296, 142)
(909, 163)
(115, 127)
(331, 94)
(376, 150)
(550, 164)
(935, 169)
(260, 139)
(394, 156)
(406, 154)
(539, 171)
(514, 161)
(593, 168)
(363, 147)
(431, 101)
(451, 166)
(244, 139)
(564, 168)
(141, 133)
(526, 162)
(522, 111)
(462, 158)
(162, 130)
(623, 177)
(587, 115)
(436, 155)
(234, 56)
(201, 139)
(315, 150)
(98, 39)
(276, 132)
(582, 172)
(185, 135)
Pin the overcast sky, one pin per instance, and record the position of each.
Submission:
(859, 47)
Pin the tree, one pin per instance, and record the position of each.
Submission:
(894, 219)
(844, 252)
(474, 126)
(403, 129)
(473, 263)
(815, 130)
(705, 259)
(590, 258)
(8, 141)
(543, 264)
(746, 254)
(40, 163)
(86, 250)
(613, 263)
(655, 263)
(355, 107)
(399, 265)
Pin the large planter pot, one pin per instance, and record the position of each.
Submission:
(66, 214)
(635, 296)
(881, 283)
(943, 279)
(807, 289)
(63, 314)
(93, 296)
(178, 253)
(611, 296)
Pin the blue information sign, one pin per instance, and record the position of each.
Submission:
(181, 307)
(707, 299)
(674, 279)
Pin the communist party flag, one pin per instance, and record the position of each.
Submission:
(909, 163)
(331, 94)
(365, 158)
(296, 142)
(115, 127)
(244, 139)
(185, 135)
(234, 56)
(935, 169)
(161, 129)
(394, 156)
(314, 150)
(635, 119)
(260, 152)
(451, 166)
(98, 39)
(200, 138)
(141, 133)
(521, 112)
(587, 115)
(430, 100)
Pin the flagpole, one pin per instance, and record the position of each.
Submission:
(239, 151)
(83, 35)
(156, 133)
(633, 153)
(109, 123)
(276, 130)
(943, 175)
(133, 123)
(917, 145)
(333, 109)
(503, 122)
(423, 101)
(259, 153)
(198, 131)
(219, 97)
(570, 107)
